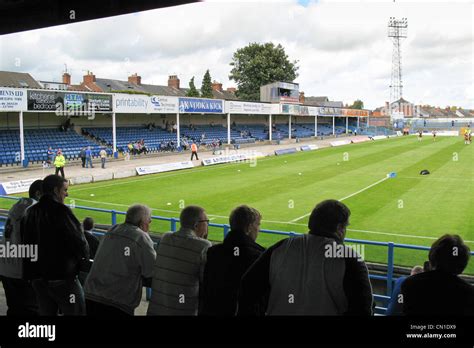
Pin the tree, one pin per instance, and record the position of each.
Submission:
(192, 92)
(358, 104)
(206, 88)
(259, 64)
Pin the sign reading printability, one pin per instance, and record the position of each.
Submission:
(13, 99)
(19, 186)
(130, 103)
(144, 104)
(166, 167)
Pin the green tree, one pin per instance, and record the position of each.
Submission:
(206, 88)
(259, 64)
(358, 104)
(192, 91)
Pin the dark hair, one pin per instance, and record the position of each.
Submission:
(450, 254)
(327, 215)
(190, 216)
(36, 186)
(242, 217)
(51, 182)
(88, 224)
(426, 266)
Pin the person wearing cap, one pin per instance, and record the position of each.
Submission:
(59, 163)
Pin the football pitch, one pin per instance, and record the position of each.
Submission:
(408, 208)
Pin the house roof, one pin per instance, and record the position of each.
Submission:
(323, 101)
(17, 79)
(117, 85)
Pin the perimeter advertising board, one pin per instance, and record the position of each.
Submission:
(144, 104)
(236, 107)
(200, 105)
(68, 101)
(12, 99)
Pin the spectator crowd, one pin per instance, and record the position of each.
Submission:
(76, 274)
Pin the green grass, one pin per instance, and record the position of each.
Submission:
(409, 209)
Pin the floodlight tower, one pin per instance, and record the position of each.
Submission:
(397, 30)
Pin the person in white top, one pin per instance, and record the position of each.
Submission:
(103, 157)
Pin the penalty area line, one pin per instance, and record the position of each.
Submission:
(344, 198)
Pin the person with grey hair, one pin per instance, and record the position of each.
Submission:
(226, 263)
(179, 265)
(123, 262)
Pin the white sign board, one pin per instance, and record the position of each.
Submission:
(231, 158)
(19, 186)
(340, 142)
(448, 133)
(163, 105)
(144, 104)
(130, 103)
(166, 167)
(236, 107)
(313, 111)
(12, 99)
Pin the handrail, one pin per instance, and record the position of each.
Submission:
(389, 278)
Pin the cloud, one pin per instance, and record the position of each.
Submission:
(342, 47)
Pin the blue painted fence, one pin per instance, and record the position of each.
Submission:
(388, 278)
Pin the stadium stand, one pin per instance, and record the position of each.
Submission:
(156, 138)
(153, 138)
(435, 124)
(211, 133)
(37, 142)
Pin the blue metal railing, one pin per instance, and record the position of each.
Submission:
(389, 279)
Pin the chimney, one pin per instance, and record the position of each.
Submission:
(89, 78)
(135, 79)
(216, 86)
(67, 79)
(231, 89)
(173, 81)
(302, 97)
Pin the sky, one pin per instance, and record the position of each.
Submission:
(342, 47)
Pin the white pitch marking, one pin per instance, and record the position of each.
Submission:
(401, 235)
(128, 205)
(344, 198)
(279, 222)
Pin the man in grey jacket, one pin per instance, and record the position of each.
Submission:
(311, 274)
(179, 266)
(20, 296)
(124, 259)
